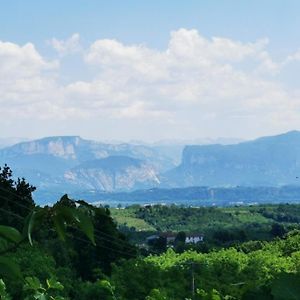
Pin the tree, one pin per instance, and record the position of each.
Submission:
(11, 239)
(15, 198)
(277, 230)
(111, 245)
(180, 237)
(180, 242)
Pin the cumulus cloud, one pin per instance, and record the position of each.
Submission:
(24, 77)
(192, 73)
(196, 86)
(64, 47)
(21, 61)
(294, 57)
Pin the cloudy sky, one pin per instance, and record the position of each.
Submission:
(149, 70)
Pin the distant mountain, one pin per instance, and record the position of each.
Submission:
(174, 148)
(70, 163)
(78, 150)
(114, 173)
(268, 161)
(9, 141)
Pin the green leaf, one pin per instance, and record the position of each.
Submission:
(67, 213)
(2, 287)
(9, 268)
(60, 227)
(73, 217)
(32, 283)
(54, 284)
(11, 234)
(30, 226)
(39, 296)
(34, 219)
(3, 294)
(86, 225)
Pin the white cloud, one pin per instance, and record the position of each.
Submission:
(70, 45)
(196, 86)
(21, 61)
(189, 44)
(192, 73)
(24, 77)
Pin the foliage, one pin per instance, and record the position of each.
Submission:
(101, 289)
(33, 289)
(15, 198)
(3, 294)
(221, 226)
(227, 273)
(74, 250)
(156, 294)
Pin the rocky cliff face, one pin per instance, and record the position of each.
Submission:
(79, 150)
(72, 162)
(63, 147)
(67, 164)
(269, 161)
(115, 173)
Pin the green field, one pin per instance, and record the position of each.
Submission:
(242, 223)
(126, 217)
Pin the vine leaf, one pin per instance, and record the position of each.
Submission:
(10, 234)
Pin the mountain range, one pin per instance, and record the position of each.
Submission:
(70, 164)
(267, 161)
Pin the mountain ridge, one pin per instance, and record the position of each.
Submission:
(273, 160)
(71, 163)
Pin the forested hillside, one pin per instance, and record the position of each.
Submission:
(221, 227)
(73, 250)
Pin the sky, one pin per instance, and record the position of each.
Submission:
(149, 70)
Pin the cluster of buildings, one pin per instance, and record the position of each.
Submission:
(190, 238)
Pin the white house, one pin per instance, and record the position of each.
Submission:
(194, 238)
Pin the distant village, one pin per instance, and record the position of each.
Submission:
(171, 238)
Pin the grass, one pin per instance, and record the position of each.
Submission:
(126, 217)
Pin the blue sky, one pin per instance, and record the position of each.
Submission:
(149, 69)
(150, 22)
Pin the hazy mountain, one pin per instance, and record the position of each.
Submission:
(173, 148)
(58, 165)
(78, 150)
(71, 163)
(113, 173)
(270, 161)
(9, 141)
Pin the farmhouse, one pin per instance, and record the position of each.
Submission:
(170, 237)
(194, 238)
